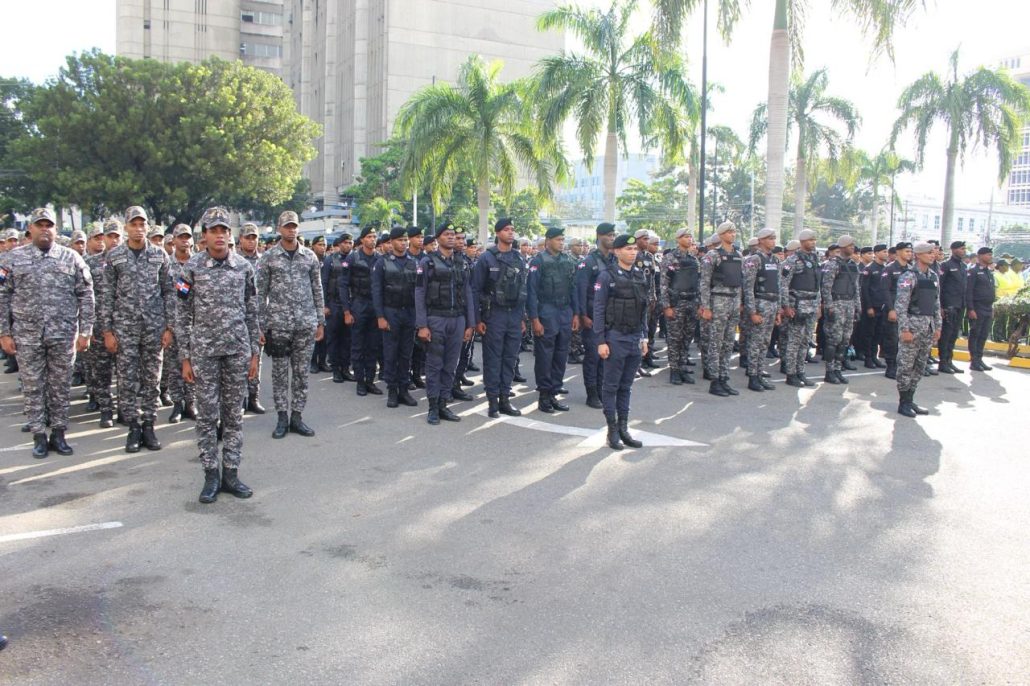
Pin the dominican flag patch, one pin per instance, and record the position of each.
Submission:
(3, 274)
(597, 286)
(183, 287)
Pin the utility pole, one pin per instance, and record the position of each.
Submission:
(715, 182)
(704, 124)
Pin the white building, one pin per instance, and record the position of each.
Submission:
(919, 218)
(587, 188)
(1017, 188)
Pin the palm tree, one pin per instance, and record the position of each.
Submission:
(878, 18)
(381, 211)
(811, 111)
(478, 126)
(877, 173)
(985, 107)
(616, 80)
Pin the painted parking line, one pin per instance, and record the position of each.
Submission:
(79, 467)
(28, 535)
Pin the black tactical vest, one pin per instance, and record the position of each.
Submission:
(398, 282)
(806, 279)
(767, 282)
(627, 300)
(684, 280)
(844, 283)
(557, 273)
(729, 272)
(509, 288)
(360, 278)
(924, 295)
(334, 278)
(445, 288)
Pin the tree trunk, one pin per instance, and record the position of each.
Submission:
(875, 224)
(692, 196)
(776, 134)
(611, 170)
(948, 211)
(483, 200)
(800, 187)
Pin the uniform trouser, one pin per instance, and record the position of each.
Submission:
(465, 357)
(551, 351)
(220, 383)
(949, 332)
(100, 364)
(725, 315)
(652, 324)
(838, 327)
(418, 358)
(254, 385)
(45, 368)
(979, 330)
(319, 352)
(398, 343)
(680, 333)
(870, 333)
(364, 340)
(619, 371)
(799, 333)
(337, 336)
(758, 335)
(292, 394)
(501, 349)
(593, 366)
(138, 362)
(177, 386)
(890, 339)
(447, 335)
(912, 356)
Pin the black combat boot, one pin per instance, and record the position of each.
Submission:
(149, 438)
(372, 388)
(446, 414)
(892, 368)
(134, 439)
(944, 366)
(254, 405)
(176, 416)
(119, 418)
(912, 403)
(189, 410)
(504, 405)
(391, 396)
(674, 377)
(418, 381)
(323, 366)
(716, 389)
(106, 419)
(92, 405)
(783, 366)
(686, 376)
(840, 376)
(40, 447)
(593, 398)
(404, 397)
(338, 375)
(728, 388)
(165, 398)
(625, 435)
(58, 443)
(742, 362)
(231, 484)
(707, 376)
(766, 383)
(492, 411)
(754, 383)
(361, 389)
(954, 369)
(614, 441)
(793, 380)
(313, 368)
(464, 381)
(870, 362)
(561, 391)
(831, 377)
(459, 394)
(905, 404)
(845, 362)
(544, 403)
(518, 378)
(434, 412)
(282, 425)
(212, 484)
(557, 404)
(297, 425)
(805, 380)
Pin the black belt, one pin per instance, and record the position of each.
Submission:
(767, 296)
(444, 313)
(844, 297)
(804, 295)
(724, 292)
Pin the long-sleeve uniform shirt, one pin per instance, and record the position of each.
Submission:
(217, 311)
(289, 290)
(137, 292)
(45, 296)
(422, 277)
(601, 293)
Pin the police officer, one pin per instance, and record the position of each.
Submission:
(980, 296)
(183, 394)
(874, 307)
(248, 248)
(680, 287)
(550, 306)
(761, 305)
(721, 285)
(418, 353)
(217, 333)
(97, 362)
(499, 283)
(646, 262)
(620, 307)
(891, 273)
(137, 315)
(840, 298)
(800, 298)
(595, 262)
(953, 299)
(918, 308)
(393, 297)
(290, 311)
(465, 363)
(444, 312)
(46, 317)
(355, 293)
(336, 331)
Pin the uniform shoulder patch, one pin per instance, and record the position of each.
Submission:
(3, 274)
(183, 287)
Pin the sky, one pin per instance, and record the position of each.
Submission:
(986, 32)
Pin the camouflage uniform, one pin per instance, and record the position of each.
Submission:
(799, 289)
(290, 301)
(839, 293)
(679, 290)
(46, 301)
(254, 385)
(99, 364)
(761, 296)
(721, 281)
(217, 331)
(180, 391)
(918, 306)
(138, 306)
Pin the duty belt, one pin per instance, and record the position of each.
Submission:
(837, 299)
(732, 292)
(444, 312)
(767, 296)
(804, 295)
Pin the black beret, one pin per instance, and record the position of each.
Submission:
(398, 232)
(985, 251)
(414, 231)
(503, 223)
(777, 249)
(955, 245)
(605, 228)
(340, 239)
(833, 246)
(865, 251)
(624, 239)
(470, 239)
(554, 232)
(879, 246)
(365, 230)
(383, 237)
(446, 226)
(345, 237)
(904, 245)
(934, 242)
(429, 239)
(318, 239)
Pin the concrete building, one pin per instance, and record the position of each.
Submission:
(194, 30)
(1017, 189)
(353, 63)
(919, 218)
(587, 190)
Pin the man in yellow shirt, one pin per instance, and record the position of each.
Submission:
(1007, 281)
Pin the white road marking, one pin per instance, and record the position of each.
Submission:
(59, 532)
(78, 468)
(594, 438)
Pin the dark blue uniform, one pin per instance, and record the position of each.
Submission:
(499, 282)
(393, 298)
(355, 292)
(980, 295)
(467, 347)
(953, 306)
(586, 278)
(551, 298)
(336, 332)
(620, 316)
(444, 305)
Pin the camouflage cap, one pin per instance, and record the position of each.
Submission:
(922, 248)
(168, 238)
(712, 240)
(845, 241)
(11, 235)
(682, 232)
(726, 226)
(216, 216)
(134, 212)
(95, 230)
(77, 236)
(249, 229)
(807, 235)
(113, 225)
(156, 232)
(766, 233)
(182, 229)
(42, 213)
(289, 217)
(792, 244)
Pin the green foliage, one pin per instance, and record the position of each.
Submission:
(380, 210)
(267, 214)
(1014, 305)
(17, 193)
(109, 132)
(524, 209)
(660, 206)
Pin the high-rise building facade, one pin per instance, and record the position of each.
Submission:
(1017, 190)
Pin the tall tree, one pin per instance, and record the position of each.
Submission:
(871, 174)
(381, 211)
(814, 116)
(619, 78)
(479, 126)
(986, 107)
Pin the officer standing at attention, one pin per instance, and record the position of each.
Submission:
(248, 248)
(620, 307)
(183, 394)
(355, 293)
(891, 273)
(99, 362)
(874, 306)
(761, 305)
(468, 347)
(444, 313)
(291, 309)
(721, 285)
(980, 296)
(499, 282)
(418, 353)
(138, 312)
(681, 277)
(550, 306)
(918, 306)
(953, 305)
(46, 317)
(217, 331)
(800, 298)
(595, 262)
(840, 298)
(337, 333)
(393, 297)
(647, 263)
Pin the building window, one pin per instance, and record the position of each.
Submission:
(265, 18)
(937, 222)
(961, 223)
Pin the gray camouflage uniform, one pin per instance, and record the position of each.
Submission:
(912, 356)
(254, 385)
(724, 302)
(759, 267)
(98, 363)
(177, 387)
(806, 305)
(840, 308)
(681, 328)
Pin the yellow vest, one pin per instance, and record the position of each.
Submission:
(1008, 283)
